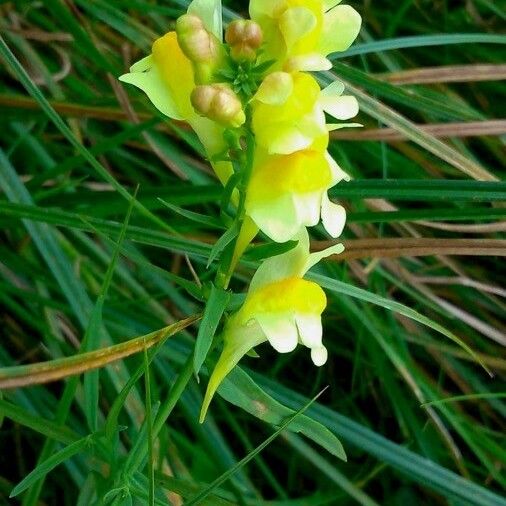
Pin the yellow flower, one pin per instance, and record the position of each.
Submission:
(281, 307)
(167, 77)
(300, 34)
(288, 192)
(289, 111)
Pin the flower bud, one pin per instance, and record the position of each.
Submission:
(219, 103)
(201, 47)
(244, 38)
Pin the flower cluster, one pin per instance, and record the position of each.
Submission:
(262, 118)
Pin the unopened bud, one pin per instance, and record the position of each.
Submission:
(200, 46)
(244, 38)
(219, 103)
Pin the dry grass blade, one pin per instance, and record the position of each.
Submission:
(405, 247)
(69, 109)
(486, 228)
(447, 74)
(438, 130)
(54, 370)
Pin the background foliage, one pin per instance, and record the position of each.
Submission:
(84, 265)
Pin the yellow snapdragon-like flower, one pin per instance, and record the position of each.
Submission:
(300, 34)
(167, 77)
(289, 111)
(288, 192)
(281, 307)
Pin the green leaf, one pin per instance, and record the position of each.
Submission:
(149, 427)
(239, 389)
(215, 307)
(420, 41)
(223, 242)
(340, 287)
(92, 336)
(202, 219)
(263, 251)
(48, 465)
(37, 423)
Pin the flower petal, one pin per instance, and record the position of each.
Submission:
(338, 174)
(295, 23)
(341, 26)
(342, 108)
(275, 89)
(334, 89)
(319, 356)
(308, 208)
(276, 218)
(280, 331)
(153, 85)
(238, 342)
(287, 141)
(209, 11)
(333, 217)
(259, 8)
(316, 257)
(289, 264)
(310, 330)
(145, 64)
(313, 62)
(332, 127)
(330, 4)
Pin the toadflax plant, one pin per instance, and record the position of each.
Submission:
(262, 119)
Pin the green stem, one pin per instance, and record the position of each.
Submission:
(232, 255)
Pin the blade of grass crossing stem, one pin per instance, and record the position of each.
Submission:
(34, 91)
(225, 476)
(340, 287)
(48, 465)
(92, 335)
(215, 307)
(149, 423)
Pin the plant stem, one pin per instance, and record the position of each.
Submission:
(246, 233)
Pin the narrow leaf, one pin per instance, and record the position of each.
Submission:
(215, 307)
(286, 423)
(48, 465)
(223, 242)
(239, 389)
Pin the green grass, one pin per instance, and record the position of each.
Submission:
(95, 225)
